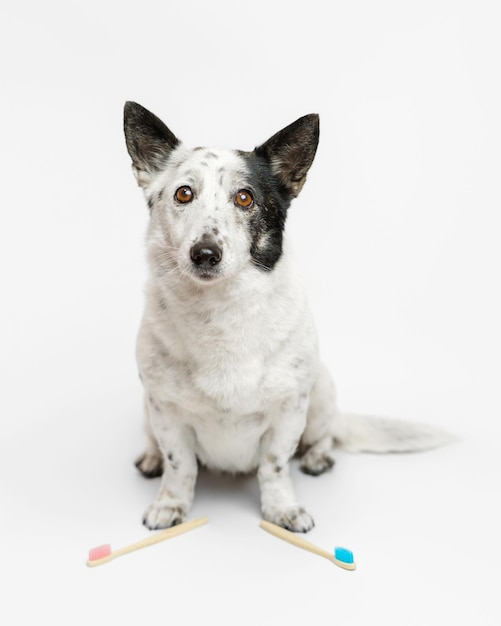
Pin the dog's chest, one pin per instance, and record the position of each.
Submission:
(235, 360)
(213, 366)
(216, 380)
(224, 365)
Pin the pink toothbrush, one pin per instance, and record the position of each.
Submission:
(103, 554)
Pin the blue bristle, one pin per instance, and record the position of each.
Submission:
(343, 554)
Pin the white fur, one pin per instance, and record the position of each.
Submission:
(230, 366)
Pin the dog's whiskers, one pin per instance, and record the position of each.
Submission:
(167, 262)
(165, 255)
(260, 265)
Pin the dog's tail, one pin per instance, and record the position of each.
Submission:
(362, 433)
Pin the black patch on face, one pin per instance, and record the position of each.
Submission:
(267, 219)
(277, 171)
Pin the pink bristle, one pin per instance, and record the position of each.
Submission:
(100, 552)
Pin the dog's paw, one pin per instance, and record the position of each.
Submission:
(315, 462)
(294, 518)
(150, 465)
(158, 516)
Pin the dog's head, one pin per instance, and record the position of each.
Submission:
(214, 211)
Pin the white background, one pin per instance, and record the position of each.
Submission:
(398, 230)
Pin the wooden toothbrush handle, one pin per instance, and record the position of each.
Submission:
(168, 533)
(295, 539)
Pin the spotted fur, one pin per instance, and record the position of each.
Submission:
(227, 349)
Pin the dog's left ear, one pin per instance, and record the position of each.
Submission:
(291, 151)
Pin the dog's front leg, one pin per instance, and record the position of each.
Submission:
(177, 445)
(278, 445)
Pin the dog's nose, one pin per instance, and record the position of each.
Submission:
(206, 253)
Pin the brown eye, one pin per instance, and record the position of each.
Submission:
(184, 194)
(244, 199)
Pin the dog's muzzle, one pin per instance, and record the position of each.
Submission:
(206, 254)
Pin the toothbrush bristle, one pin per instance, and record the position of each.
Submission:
(100, 552)
(343, 554)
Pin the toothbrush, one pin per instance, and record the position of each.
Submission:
(342, 557)
(103, 554)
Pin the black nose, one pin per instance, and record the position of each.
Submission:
(206, 253)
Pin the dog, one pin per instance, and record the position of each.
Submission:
(227, 350)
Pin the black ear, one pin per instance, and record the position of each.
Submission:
(149, 141)
(291, 151)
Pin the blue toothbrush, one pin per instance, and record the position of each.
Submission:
(342, 557)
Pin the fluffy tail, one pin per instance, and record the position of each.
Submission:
(381, 435)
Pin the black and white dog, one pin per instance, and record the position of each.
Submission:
(227, 349)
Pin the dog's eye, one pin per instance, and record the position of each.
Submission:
(184, 194)
(244, 199)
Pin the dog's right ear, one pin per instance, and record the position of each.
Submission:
(149, 142)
